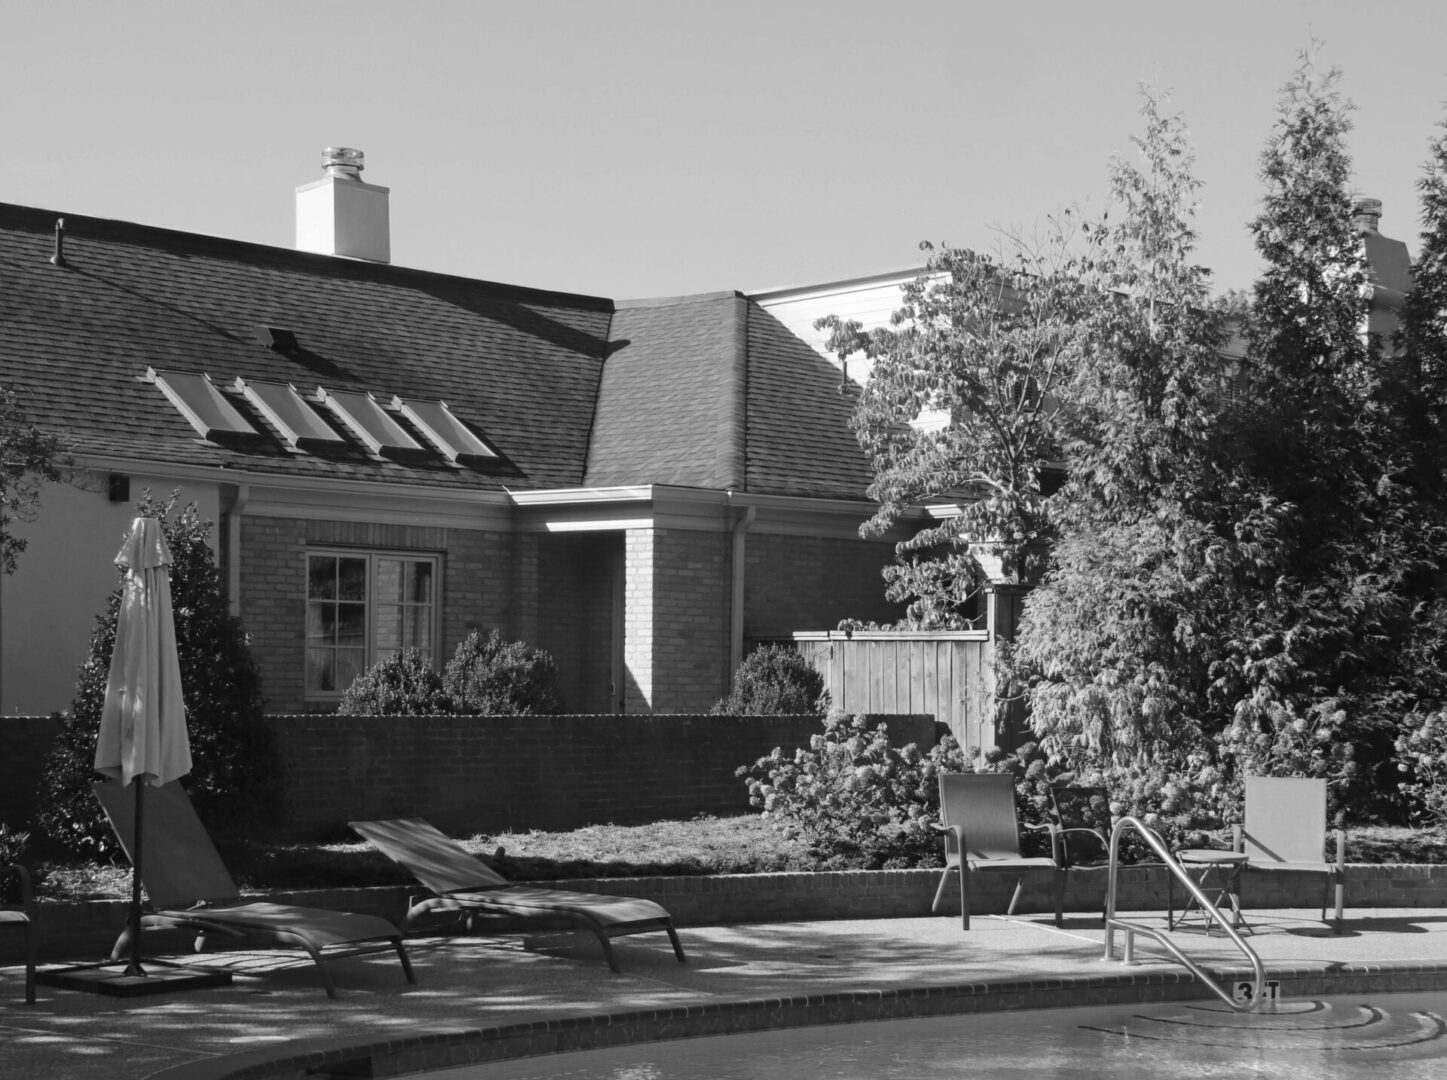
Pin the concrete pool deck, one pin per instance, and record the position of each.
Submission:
(483, 997)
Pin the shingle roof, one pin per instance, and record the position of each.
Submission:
(520, 365)
(706, 391)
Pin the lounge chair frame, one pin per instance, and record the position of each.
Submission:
(188, 888)
(24, 918)
(459, 882)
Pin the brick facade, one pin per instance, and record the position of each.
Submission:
(812, 582)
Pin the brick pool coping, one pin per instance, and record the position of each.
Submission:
(450, 1047)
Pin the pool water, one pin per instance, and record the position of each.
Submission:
(1401, 1036)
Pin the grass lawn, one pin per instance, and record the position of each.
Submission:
(706, 845)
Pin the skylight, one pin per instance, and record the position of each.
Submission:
(200, 402)
(368, 422)
(453, 439)
(297, 421)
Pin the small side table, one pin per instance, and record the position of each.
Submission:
(1222, 866)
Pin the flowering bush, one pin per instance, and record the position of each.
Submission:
(854, 799)
(1422, 756)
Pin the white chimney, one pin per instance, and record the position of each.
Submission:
(341, 215)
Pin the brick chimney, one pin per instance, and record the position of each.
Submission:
(340, 214)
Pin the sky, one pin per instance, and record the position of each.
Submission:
(639, 149)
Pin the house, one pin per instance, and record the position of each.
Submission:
(394, 457)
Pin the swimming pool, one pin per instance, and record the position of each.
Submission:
(1348, 1037)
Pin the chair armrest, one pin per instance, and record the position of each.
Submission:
(27, 891)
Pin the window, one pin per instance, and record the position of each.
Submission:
(200, 402)
(362, 607)
(453, 439)
(298, 422)
(368, 422)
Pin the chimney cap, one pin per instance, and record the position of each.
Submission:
(1367, 213)
(343, 162)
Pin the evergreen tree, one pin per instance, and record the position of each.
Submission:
(233, 766)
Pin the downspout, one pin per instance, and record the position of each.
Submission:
(233, 547)
(742, 523)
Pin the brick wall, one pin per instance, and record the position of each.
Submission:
(690, 619)
(811, 583)
(24, 743)
(477, 588)
(471, 774)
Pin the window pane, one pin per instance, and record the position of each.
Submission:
(389, 580)
(352, 579)
(419, 582)
(321, 577)
(388, 629)
(319, 620)
(320, 669)
(351, 624)
(350, 664)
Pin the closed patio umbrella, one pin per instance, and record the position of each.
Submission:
(143, 738)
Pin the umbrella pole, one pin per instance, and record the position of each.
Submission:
(134, 967)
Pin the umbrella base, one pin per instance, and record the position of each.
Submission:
(110, 978)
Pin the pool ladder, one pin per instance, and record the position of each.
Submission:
(1112, 924)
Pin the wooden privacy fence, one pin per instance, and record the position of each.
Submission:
(947, 673)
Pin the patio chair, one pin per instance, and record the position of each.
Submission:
(22, 918)
(188, 888)
(1081, 816)
(460, 882)
(1285, 829)
(982, 833)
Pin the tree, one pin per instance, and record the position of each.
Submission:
(233, 762)
(1116, 644)
(29, 457)
(985, 344)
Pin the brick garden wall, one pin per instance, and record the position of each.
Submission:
(470, 774)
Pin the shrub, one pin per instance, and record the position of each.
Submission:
(774, 680)
(232, 758)
(854, 799)
(1422, 758)
(12, 852)
(491, 677)
(404, 684)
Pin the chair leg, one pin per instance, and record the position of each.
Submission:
(29, 964)
(964, 894)
(940, 892)
(1015, 896)
(1059, 896)
(677, 947)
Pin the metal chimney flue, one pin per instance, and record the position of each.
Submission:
(341, 214)
(1367, 214)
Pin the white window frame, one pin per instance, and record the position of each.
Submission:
(372, 648)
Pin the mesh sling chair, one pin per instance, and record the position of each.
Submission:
(188, 888)
(462, 883)
(1285, 829)
(21, 916)
(1082, 821)
(982, 833)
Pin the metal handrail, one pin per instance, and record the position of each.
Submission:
(1156, 844)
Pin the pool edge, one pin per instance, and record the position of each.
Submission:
(449, 1047)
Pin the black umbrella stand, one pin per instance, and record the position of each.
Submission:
(131, 979)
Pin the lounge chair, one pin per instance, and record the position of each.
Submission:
(23, 919)
(188, 888)
(460, 882)
(1285, 829)
(982, 833)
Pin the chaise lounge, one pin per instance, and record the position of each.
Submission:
(189, 888)
(462, 883)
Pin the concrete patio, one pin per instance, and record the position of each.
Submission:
(485, 997)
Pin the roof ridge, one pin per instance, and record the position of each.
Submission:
(79, 227)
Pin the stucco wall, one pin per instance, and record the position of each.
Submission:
(48, 607)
